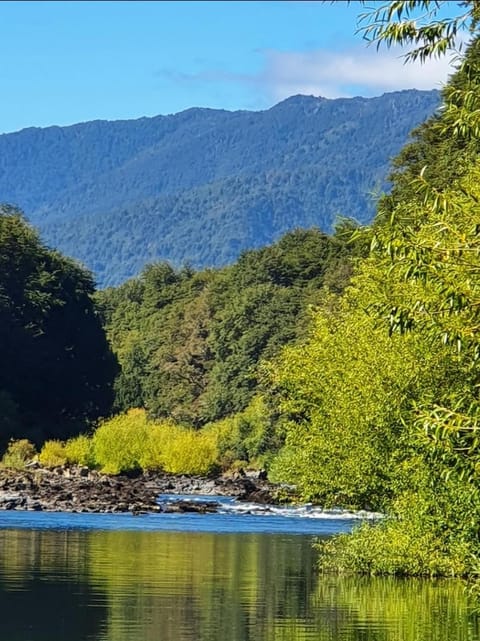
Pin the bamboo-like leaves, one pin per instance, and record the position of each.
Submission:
(417, 25)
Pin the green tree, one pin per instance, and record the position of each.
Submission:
(417, 24)
(190, 343)
(56, 365)
(418, 298)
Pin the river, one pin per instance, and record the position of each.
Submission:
(233, 576)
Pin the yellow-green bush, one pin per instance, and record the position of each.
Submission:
(130, 441)
(189, 452)
(119, 442)
(224, 434)
(157, 442)
(79, 450)
(53, 454)
(18, 453)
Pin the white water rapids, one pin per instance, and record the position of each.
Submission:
(229, 505)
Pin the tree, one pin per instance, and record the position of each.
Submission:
(426, 255)
(56, 365)
(190, 343)
(401, 22)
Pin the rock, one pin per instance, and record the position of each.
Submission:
(191, 506)
(263, 497)
(81, 489)
(32, 465)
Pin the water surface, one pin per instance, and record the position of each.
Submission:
(113, 578)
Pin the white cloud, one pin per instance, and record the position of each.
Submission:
(359, 71)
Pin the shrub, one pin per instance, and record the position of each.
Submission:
(426, 532)
(53, 454)
(246, 438)
(178, 450)
(224, 434)
(189, 452)
(79, 450)
(118, 443)
(18, 453)
(158, 439)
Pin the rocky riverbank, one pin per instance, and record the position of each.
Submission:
(78, 489)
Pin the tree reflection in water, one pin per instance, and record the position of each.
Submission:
(173, 586)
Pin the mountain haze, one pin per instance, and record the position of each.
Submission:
(202, 185)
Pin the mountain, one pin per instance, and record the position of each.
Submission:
(202, 185)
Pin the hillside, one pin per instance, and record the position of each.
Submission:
(202, 185)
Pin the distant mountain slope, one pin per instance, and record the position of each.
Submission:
(202, 185)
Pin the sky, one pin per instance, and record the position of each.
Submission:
(68, 62)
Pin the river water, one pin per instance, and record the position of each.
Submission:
(233, 576)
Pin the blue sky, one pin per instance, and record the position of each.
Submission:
(68, 62)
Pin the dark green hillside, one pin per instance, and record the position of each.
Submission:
(202, 185)
(190, 342)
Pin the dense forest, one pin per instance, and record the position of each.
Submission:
(189, 345)
(200, 186)
(57, 369)
(346, 365)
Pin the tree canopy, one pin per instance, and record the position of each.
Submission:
(190, 343)
(57, 369)
(419, 25)
(380, 401)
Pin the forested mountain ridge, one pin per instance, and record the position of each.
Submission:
(202, 185)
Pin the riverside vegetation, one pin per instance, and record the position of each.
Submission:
(347, 365)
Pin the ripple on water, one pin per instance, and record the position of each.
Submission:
(232, 516)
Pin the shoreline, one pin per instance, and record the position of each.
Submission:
(79, 489)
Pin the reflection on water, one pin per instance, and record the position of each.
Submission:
(171, 586)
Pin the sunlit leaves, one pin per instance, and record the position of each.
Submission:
(425, 263)
(345, 392)
(417, 25)
(435, 244)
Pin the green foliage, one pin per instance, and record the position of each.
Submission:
(440, 258)
(118, 442)
(189, 452)
(443, 149)
(416, 24)
(346, 394)
(53, 454)
(381, 401)
(247, 436)
(79, 451)
(130, 441)
(190, 343)
(18, 453)
(158, 439)
(431, 530)
(56, 369)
